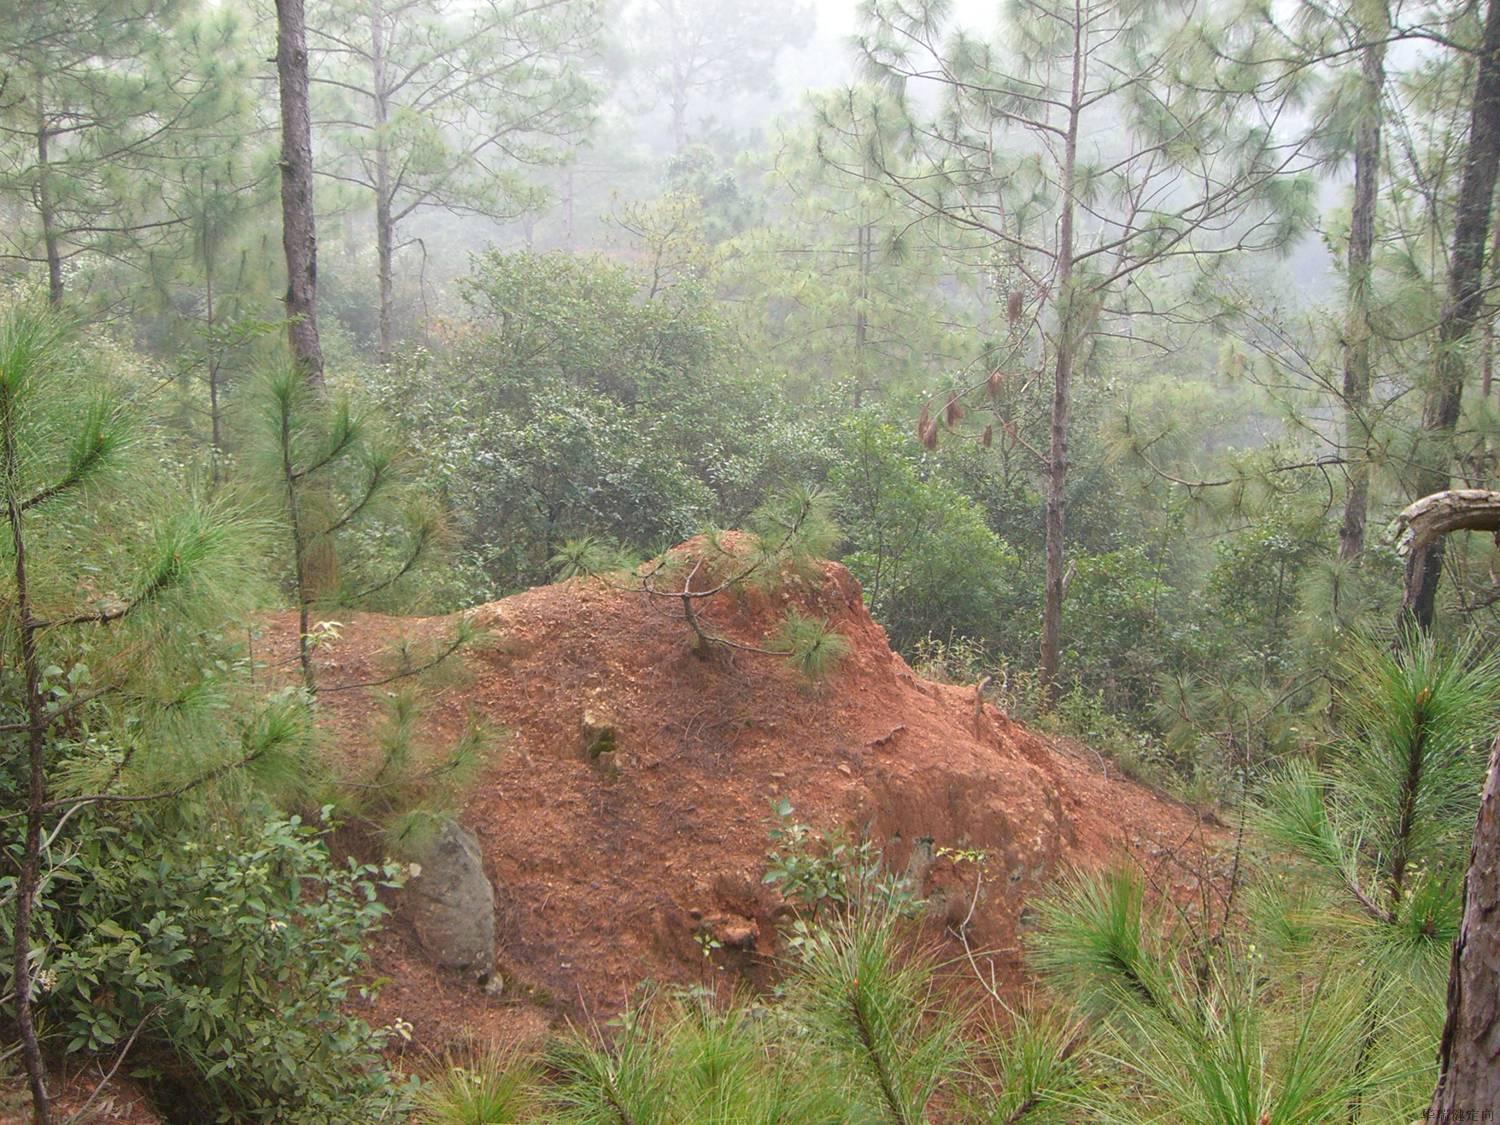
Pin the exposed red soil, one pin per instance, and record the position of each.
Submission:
(607, 870)
(118, 1100)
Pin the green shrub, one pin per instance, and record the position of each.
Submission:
(825, 873)
(927, 561)
(232, 964)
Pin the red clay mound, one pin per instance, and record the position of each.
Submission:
(607, 868)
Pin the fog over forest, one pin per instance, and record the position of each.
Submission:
(659, 561)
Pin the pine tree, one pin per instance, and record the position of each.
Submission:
(105, 585)
(1467, 1076)
(837, 282)
(96, 99)
(441, 110)
(693, 47)
(211, 286)
(1084, 159)
(337, 474)
(1358, 279)
(1463, 303)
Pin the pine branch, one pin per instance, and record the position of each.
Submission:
(457, 643)
(876, 1057)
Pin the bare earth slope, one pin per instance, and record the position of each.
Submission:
(609, 867)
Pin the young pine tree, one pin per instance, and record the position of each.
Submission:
(109, 682)
(1319, 995)
(337, 476)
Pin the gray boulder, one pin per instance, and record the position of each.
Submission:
(450, 902)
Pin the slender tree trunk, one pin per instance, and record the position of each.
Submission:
(47, 210)
(1062, 393)
(1469, 1053)
(1487, 369)
(1461, 308)
(385, 235)
(862, 317)
(299, 237)
(1487, 323)
(36, 783)
(215, 360)
(1357, 320)
(317, 563)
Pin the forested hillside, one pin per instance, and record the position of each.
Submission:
(679, 560)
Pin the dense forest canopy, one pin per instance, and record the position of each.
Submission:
(1111, 336)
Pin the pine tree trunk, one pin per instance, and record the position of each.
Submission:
(1461, 308)
(1487, 317)
(1057, 484)
(1050, 663)
(299, 238)
(318, 573)
(1469, 1055)
(861, 315)
(215, 363)
(385, 234)
(1356, 394)
(384, 239)
(47, 210)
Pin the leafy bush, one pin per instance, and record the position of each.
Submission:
(589, 411)
(920, 548)
(824, 873)
(1117, 635)
(230, 964)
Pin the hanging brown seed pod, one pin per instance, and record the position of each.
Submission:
(988, 438)
(993, 383)
(929, 436)
(953, 413)
(922, 420)
(1013, 307)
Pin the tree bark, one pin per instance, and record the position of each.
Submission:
(1469, 1053)
(1461, 308)
(215, 358)
(1062, 396)
(299, 237)
(1487, 321)
(1356, 394)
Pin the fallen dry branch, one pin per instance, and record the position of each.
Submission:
(1423, 524)
(1458, 509)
